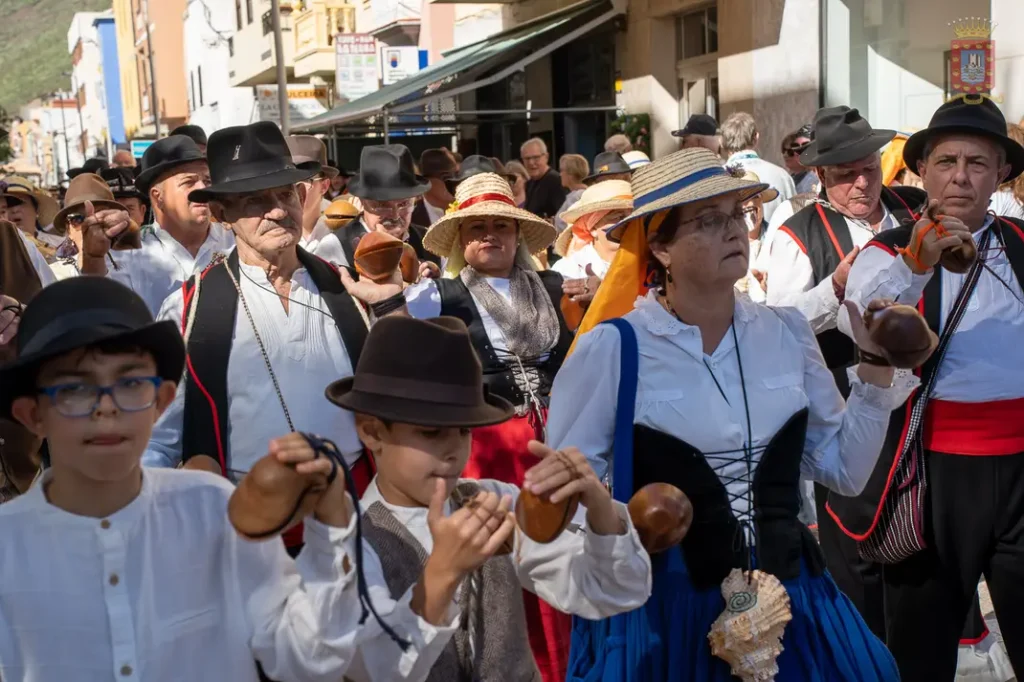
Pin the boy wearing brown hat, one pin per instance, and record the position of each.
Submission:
(415, 413)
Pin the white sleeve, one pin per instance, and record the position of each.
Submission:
(164, 449)
(329, 248)
(878, 273)
(844, 439)
(46, 276)
(423, 300)
(583, 398)
(791, 283)
(783, 213)
(304, 615)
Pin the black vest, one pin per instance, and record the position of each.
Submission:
(456, 301)
(206, 430)
(715, 543)
(856, 515)
(824, 236)
(350, 234)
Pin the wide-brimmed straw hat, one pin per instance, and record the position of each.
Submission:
(683, 177)
(769, 194)
(85, 187)
(487, 195)
(610, 195)
(23, 189)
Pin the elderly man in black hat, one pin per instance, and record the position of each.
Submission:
(308, 152)
(945, 504)
(701, 130)
(195, 133)
(182, 240)
(121, 180)
(264, 325)
(387, 186)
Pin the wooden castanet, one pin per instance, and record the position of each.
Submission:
(339, 214)
(130, 239)
(410, 264)
(661, 514)
(901, 333)
(378, 255)
(202, 463)
(541, 519)
(272, 498)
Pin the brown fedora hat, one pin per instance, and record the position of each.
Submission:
(308, 150)
(441, 384)
(85, 187)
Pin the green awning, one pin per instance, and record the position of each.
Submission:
(476, 65)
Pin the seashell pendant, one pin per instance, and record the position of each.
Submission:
(748, 634)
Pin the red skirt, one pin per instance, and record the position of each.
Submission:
(499, 453)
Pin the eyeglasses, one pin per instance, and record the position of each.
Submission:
(75, 219)
(382, 208)
(716, 220)
(130, 394)
(792, 151)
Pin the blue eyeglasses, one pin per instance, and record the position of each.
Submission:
(130, 394)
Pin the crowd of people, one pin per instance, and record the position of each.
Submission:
(238, 442)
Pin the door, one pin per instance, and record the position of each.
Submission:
(698, 89)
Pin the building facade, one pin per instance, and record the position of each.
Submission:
(131, 92)
(87, 84)
(106, 31)
(212, 102)
(167, 41)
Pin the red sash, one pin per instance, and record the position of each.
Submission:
(992, 428)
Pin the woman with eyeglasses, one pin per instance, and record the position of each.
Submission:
(730, 402)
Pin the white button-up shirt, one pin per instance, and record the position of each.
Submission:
(162, 265)
(307, 353)
(791, 276)
(165, 589)
(776, 177)
(324, 243)
(574, 266)
(678, 394)
(579, 572)
(983, 359)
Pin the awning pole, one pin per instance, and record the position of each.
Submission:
(387, 133)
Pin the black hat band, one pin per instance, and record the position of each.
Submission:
(396, 387)
(53, 330)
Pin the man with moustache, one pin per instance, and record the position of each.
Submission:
(182, 240)
(960, 438)
(270, 314)
(387, 186)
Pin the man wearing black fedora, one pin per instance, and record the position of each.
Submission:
(956, 448)
(609, 166)
(264, 325)
(121, 181)
(438, 167)
(182, 239)
(388, 186)
(195, 133)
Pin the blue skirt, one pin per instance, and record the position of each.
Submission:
(666, 640)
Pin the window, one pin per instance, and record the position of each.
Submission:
(191, 91)
(238, 14)
(248, 11)
(698, 33)
(199, 79)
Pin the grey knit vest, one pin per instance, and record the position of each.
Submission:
(491, 603)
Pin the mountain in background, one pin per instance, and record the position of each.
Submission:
(34, 47)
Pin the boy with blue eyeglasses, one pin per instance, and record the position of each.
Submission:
(109, 570)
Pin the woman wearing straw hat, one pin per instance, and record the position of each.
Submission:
(731, 402)
(517, 329)
(584, 242)
(31, 209)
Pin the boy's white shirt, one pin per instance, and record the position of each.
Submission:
(580, 572)
(165, 589)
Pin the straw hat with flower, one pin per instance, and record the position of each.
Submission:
(684, 177)
(486, 195)
(610, 195)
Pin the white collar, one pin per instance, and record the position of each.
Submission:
(660, 322)
(741, 155)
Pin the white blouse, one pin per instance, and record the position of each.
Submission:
(166, 590)
(580, 572)
(575, 265)
(307, 353)
(677, 394)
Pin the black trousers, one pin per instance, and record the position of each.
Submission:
(975, 527)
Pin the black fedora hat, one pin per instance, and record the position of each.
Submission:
(958, 116)
(122, 183)
(387, 173)
(698, 124)
(439, 385)
(84, 311)
(164, 155)
(841, 135)
(608, 163)
(474, 164)
(250, 158)
(93, 165)
(197, 134)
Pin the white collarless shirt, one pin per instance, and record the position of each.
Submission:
(162, 265)
(983, 360)
(791, 276)
(306, 352)
(579, 572)
(678, 394)
(166, 590)
(323, 242)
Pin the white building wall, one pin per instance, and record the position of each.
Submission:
(213, 103)
(88, 73)
(1008, 18)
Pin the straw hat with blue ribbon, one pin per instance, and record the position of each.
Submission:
(684, 177)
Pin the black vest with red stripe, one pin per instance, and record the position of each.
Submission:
(857, 516)
(823, 234)
(206, 430)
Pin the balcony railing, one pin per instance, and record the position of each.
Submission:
(316, 27)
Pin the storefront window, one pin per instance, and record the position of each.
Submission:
(890, 58)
